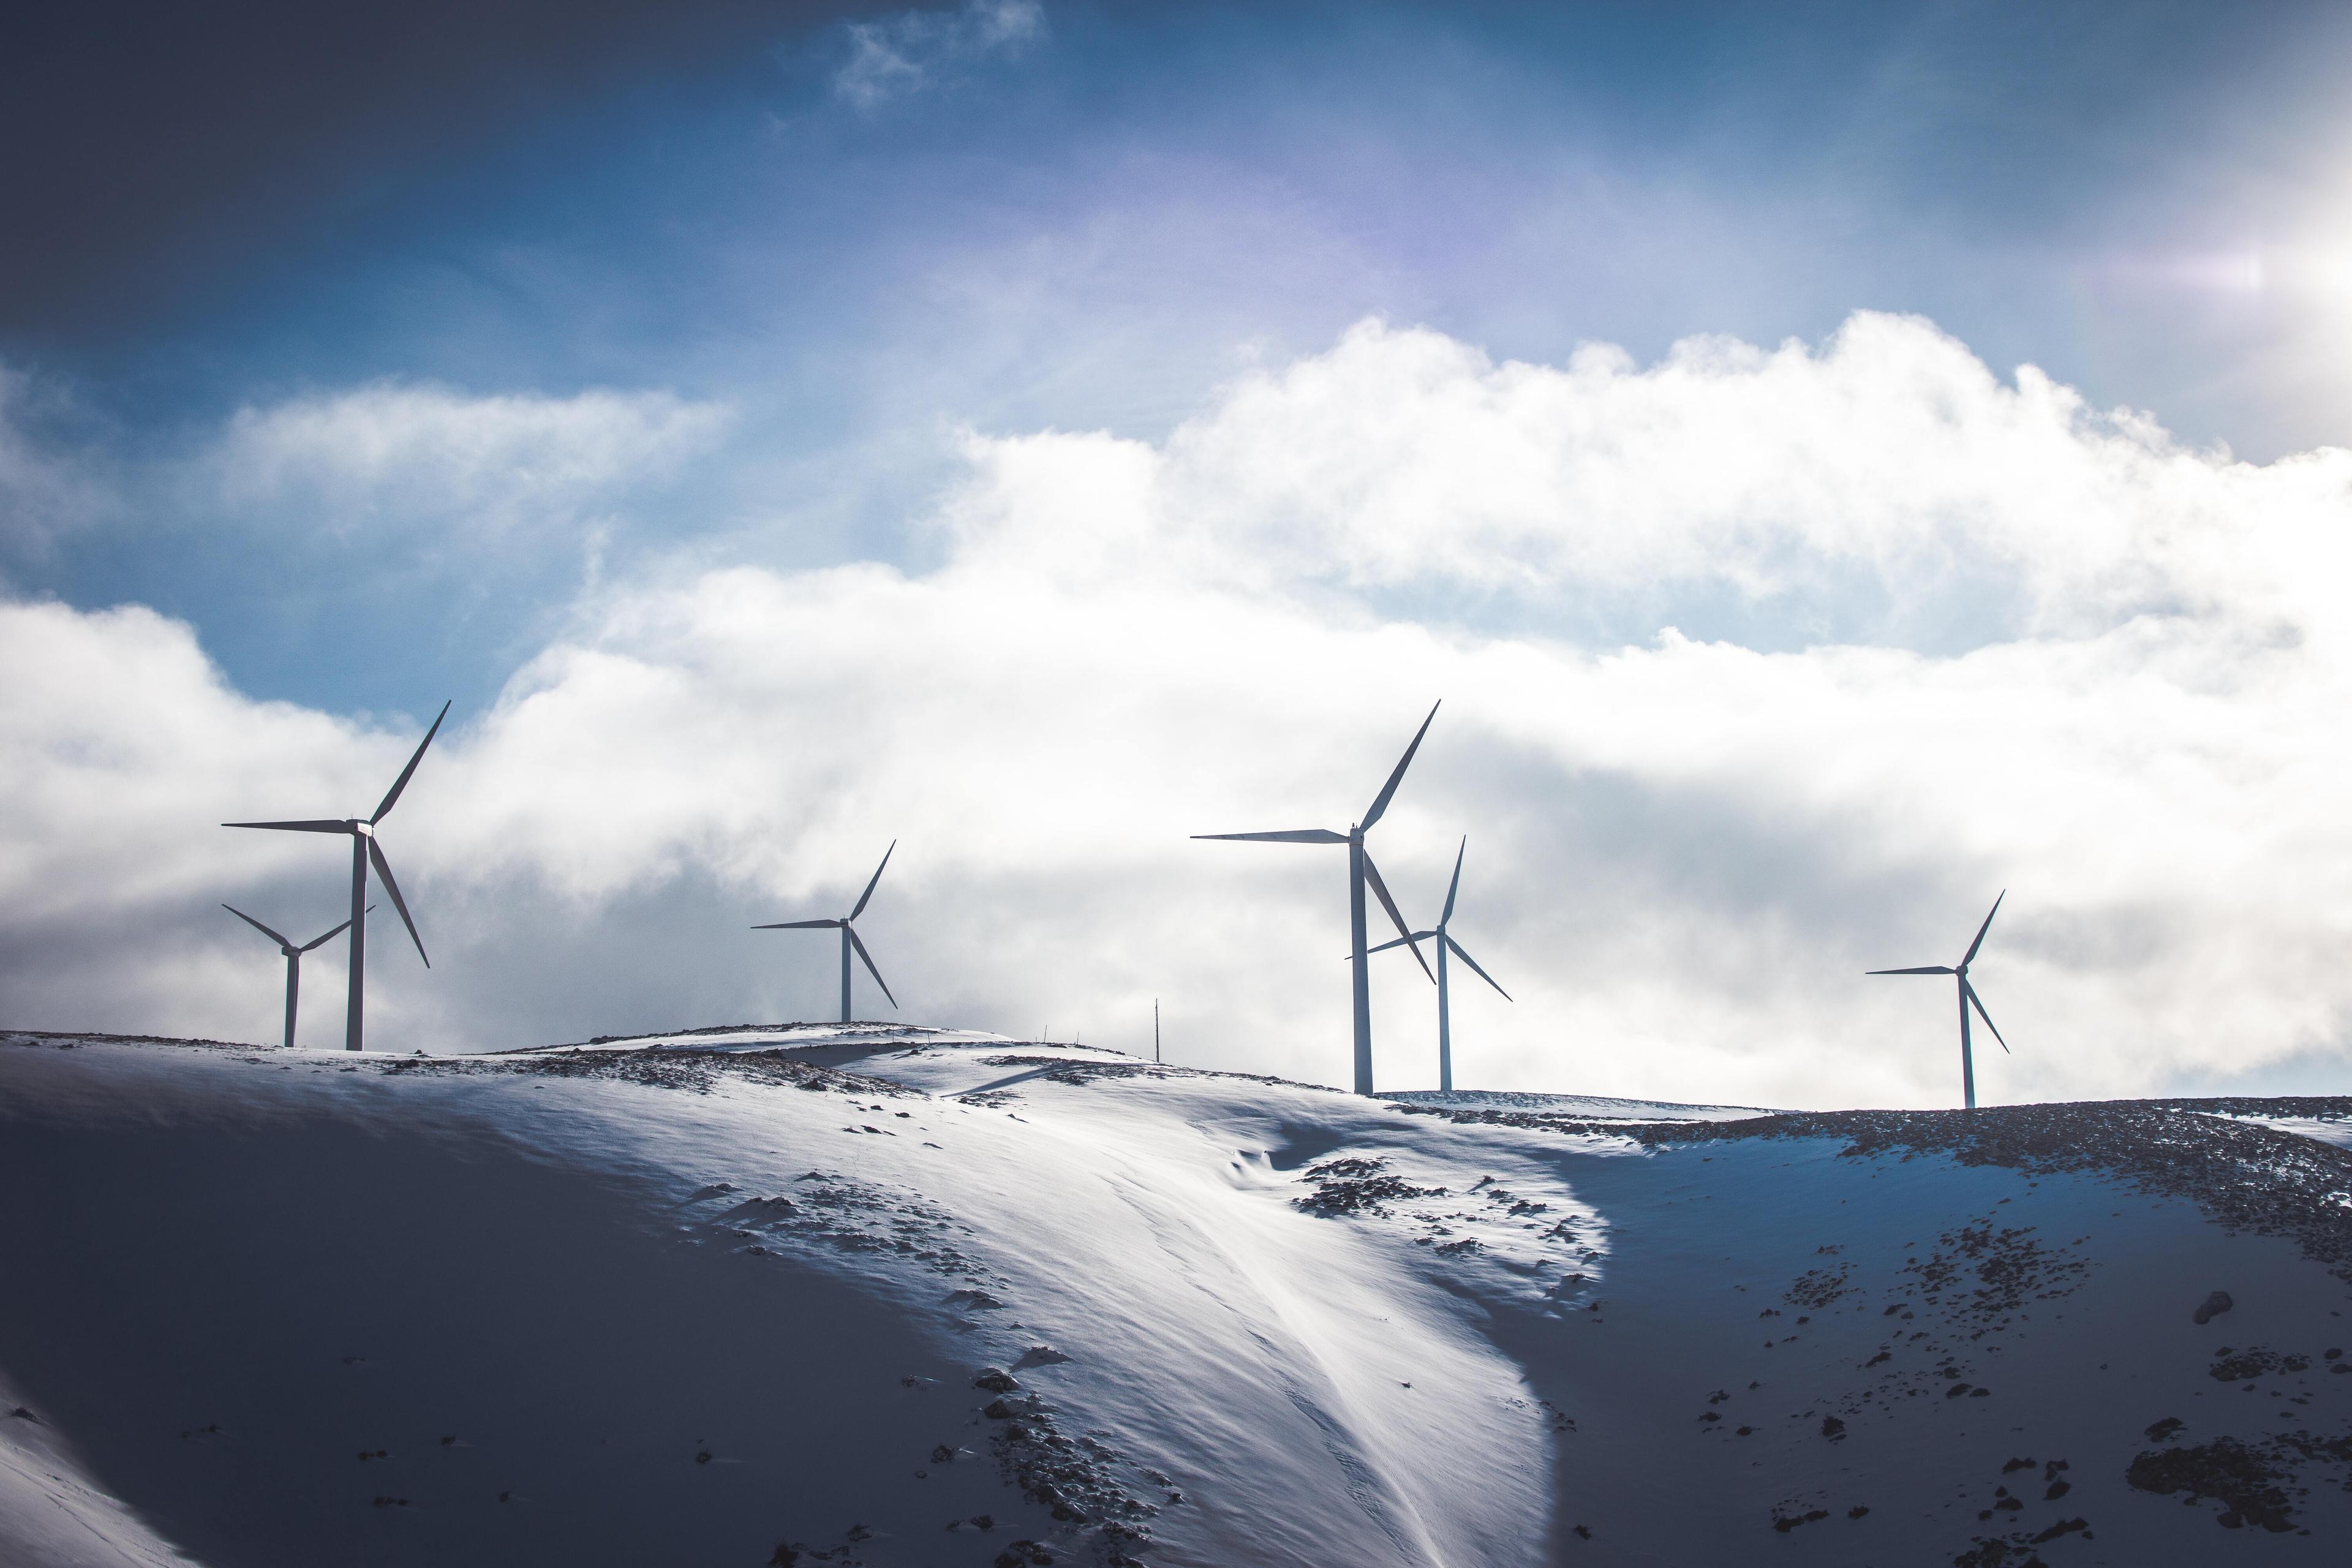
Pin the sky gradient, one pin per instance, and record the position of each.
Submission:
(1835, 463)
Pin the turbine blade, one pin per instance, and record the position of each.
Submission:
(1380, 801)
(1372, 875)
(331, 936)
(1473, 963)
(877, 876)
(1982, 1013)
(314, 826)
(1454, 886)
(401, 782)
(799, 925)
(384, 869)
(256, 925)
(1295, 836)
(870, 963)
(1971, 958)
(1400, 942)
(1932, 969)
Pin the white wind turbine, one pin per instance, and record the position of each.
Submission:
(1967, 999)
(365, 849)
(1361, 872)
(293, 960)
(1444, 940)
(849, 937)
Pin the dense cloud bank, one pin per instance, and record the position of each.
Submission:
(1939, 634)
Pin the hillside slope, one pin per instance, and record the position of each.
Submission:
(898, 1297)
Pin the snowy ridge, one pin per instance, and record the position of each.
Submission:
(880, 1296)
(1584, 1107)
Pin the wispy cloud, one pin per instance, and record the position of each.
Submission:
(400, 455)
(913, 50)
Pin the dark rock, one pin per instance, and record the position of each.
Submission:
(2239, 1365)
(942, 1454)
(2165, 1428)
(2235, 1474)
(2213, 1307)
(996, 1381)
(1832, 1428)
(1785, 1522)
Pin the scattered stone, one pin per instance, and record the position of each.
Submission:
(2165, 1428)
(996, 1380)
(2212, 1307)
(2243, 1480)
(1832, 1428)
(2237, 1366)
(1857, 1510)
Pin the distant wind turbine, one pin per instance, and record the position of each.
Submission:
(849, 937)
(293, 960)
(1360, 870)
(1968, 998)
(364, 849)
(1444, 940)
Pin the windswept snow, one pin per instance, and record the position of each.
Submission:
(867, 1295)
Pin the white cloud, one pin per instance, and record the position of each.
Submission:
(1683, 851)
(398, 456)
(912, 50)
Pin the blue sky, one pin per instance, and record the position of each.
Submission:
(1092, 220)
(352, 361)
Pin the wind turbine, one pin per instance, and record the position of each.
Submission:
(1360, 870)
(1968, 998)
(1444, 940)
(849, 937)
(364, 849)
(293, 960)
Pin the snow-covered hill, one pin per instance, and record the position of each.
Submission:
(886, 1296)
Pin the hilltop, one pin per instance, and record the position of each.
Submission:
(876, 1295)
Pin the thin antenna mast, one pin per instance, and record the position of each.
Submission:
(1155, 1031)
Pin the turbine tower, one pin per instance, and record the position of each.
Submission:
(1967, 999)
(364, 849)
(293, 960)
(1444, 940)
(849, 937)
(1360, 870)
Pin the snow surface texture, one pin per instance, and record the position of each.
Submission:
(872, 1295)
